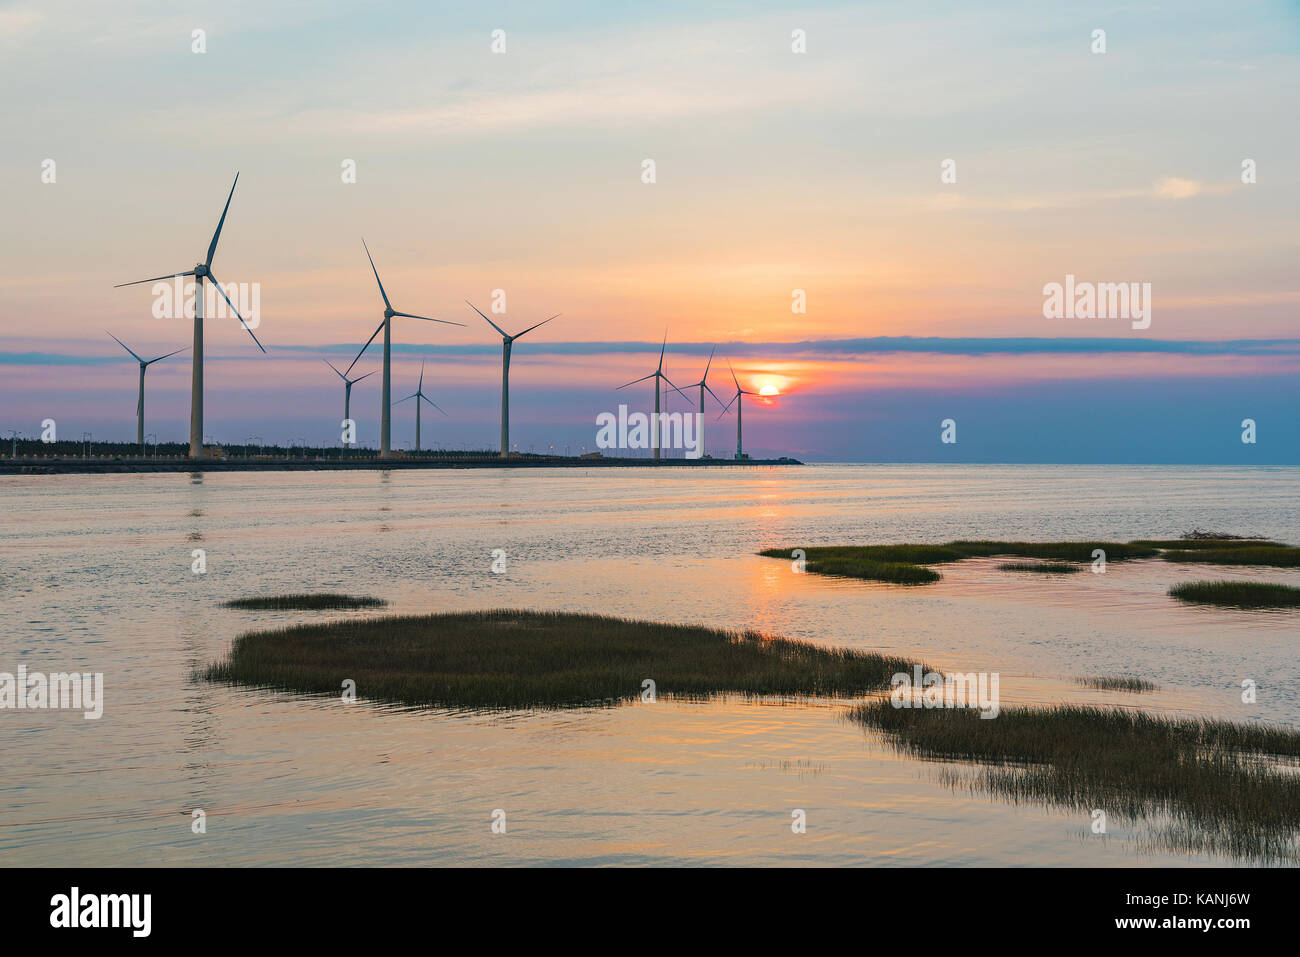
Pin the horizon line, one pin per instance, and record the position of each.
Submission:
(870, 345)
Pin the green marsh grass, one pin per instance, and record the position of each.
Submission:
(907, 564)
(1117, 683)
(1281, 556)
(524, 659)
(1206, 544)
(1238, 594)
(304, 602)
(1047, 568)
(1213, 786)
(1057, 551)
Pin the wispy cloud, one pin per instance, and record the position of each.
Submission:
(1166, 188)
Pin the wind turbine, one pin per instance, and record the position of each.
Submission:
(507, 341)
(347, 388)
(704, 382)
(139, 405)
(386, 327)
(200, 272)
(739, 406)
(417, 395)
(657, 375)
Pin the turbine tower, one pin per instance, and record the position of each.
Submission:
(507, 341)
(657, 375)
(739, 406)
(200, 272)
(347, 388)
(704, 382)
(139, 405)
(417, 395)
(386, 327)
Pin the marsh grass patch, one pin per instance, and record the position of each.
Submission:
(1213, 786)
(908, 564)
(310, 601)
(1238, 594)
(1279, 556)
(1117, 683)
(1046, 568)
(524, 659)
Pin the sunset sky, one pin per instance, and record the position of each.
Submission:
(775, 171)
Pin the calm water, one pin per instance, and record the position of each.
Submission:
(96, 577)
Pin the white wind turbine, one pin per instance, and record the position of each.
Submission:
(139, 405)
(417, 395)
(200, 272)
(347, 388)
(704, 382)
(507, 342)
(657, 375)
(386, 327)
(739, 406)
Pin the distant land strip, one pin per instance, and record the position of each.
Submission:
(95, 465)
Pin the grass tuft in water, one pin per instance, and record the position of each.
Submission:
(304, 602)
(523, 659)
(1238, 594)
(1117, 683)
(1047, 568)
(1212, 786)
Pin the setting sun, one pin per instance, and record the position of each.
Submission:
(769, 389)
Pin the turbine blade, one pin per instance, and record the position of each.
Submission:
(675, 389)
(367, 345)
(336, 371)
(216, 282)
(123, 345)
(432, 403)
(427, 319)
(403, 399)
(360, 377)
(709, 364)
(212, 247)
(711, 392)
(168, 356)
(387, 304)
(420, 388)
(542, 323)
(661, 351)
(727, 408)
(255, 339)
(504, 334)
(733, 376)
(174, 275)
(635, 381)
